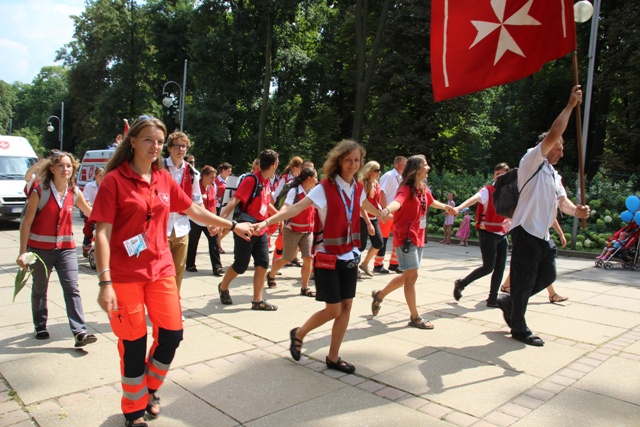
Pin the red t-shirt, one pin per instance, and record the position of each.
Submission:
(259, 205)
(123, 201)
(407, 218)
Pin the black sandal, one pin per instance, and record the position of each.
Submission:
(225, 297)
(130, 423)
(271, 282)
(307, 292)
(263, 305)
(296, 345)
(155, 404)
(340, 365)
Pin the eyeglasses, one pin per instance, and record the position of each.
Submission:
(376, 170)
(179, 146)
(192, 162)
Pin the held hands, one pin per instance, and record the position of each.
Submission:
(213, 230)
(582, 211)
(244, 230)
(450, 210)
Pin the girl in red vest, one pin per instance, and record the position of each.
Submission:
(297, 232)
(492, 234)
(47, 230)
(369, 225)
(208, 190)
(409, 224)
(134, 264)
(339, 199)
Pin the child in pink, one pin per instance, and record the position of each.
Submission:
(613, 245)
(464, 231)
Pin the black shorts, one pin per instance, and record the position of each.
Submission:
(257, 247)
(333, 286)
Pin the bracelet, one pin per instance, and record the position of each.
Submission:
(233, 225)
(103, 271)
(104, 282)
(266, 221)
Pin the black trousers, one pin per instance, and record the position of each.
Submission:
(493, 248)
(194, 238)
(533, 268)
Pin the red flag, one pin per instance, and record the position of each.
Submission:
(476, 44)
(126, 127)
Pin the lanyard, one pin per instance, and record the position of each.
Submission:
(347, 208)
(149, 199)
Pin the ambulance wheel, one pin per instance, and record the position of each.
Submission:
(92, 259)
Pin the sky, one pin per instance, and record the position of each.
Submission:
(31, 31)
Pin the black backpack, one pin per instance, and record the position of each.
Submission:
(506, 194)
(239, 212)
(282, 196)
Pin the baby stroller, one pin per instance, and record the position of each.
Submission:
(627, 252)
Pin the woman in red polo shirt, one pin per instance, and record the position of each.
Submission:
(47, 230)
(134, 263)
(409, 223)
(339, 199)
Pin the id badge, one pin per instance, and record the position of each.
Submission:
(135, 245)
(423, 222)
(263, 209)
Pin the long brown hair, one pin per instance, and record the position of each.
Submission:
(124, 152)
(331, 166)
(45, 175)
(414, 163)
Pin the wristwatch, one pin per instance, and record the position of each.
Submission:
(233, 225)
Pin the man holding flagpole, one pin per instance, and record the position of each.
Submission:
(533, 258)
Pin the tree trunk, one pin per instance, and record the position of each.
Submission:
(266, 83)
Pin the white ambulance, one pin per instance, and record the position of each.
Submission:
(92, 160)
(16, 156)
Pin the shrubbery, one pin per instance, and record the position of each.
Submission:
(606, 194)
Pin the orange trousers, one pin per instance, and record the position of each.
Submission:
(378, 261)
(142, 374)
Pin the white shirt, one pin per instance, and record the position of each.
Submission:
(319, 199)
(176, 221)
(389, 184)
(538, 204)
(90, 191)
(280, 185)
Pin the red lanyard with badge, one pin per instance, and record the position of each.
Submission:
(349, 210)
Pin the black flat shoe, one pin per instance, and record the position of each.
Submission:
(130, 423)
(501, 303)
(340, 365)
(528, 339)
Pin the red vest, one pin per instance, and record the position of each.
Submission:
(187, 183)
(222, 185)
(375, 200)
(52, 226)
(336, 225)
(303, 222)
(208, 197)
(489, 220)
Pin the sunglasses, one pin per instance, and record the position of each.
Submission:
(376, 170)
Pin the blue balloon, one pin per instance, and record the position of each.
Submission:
(632, 203)
(637, 218)
(626, 216)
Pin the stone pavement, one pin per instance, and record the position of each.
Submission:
(234, 368)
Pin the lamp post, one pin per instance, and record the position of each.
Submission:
(60, 124)
(582, 12)
(168, 101)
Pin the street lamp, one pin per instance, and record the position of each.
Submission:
(168, 100)
(50, 127)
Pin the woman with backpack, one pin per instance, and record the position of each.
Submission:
(297, 231)
(338, 199)
(47, 230)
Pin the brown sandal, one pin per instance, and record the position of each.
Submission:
(504, 289)
(263, 305)
(375, 305)
(419, 323)
(307, 292)
(270, 281)
(557, 298)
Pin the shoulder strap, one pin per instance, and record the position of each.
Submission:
(530, 178)
(45, 193)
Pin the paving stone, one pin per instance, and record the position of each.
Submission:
(499, 419)
(515, 410)
(460, 419)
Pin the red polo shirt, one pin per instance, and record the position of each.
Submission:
(407, 219)
(259, 205)
(124, 200)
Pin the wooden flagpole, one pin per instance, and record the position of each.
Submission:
(576, 81)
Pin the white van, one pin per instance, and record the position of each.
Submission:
(92, 160)
(16, 156)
